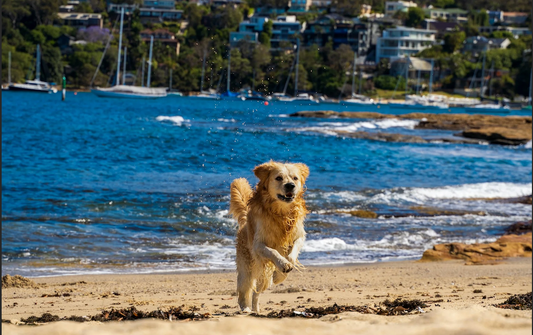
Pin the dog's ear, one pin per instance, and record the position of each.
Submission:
(304, 171)
(263, 171)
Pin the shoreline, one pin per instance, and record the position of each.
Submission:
(443, 285)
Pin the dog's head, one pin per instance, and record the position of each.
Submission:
(282, 182)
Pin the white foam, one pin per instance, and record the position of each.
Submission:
(177, 120)
(227, 120)
(527, 145)
(332, 127)
(327, 244)
(465, 191)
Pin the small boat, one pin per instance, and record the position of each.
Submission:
(125, 91)
(280, 97)
(207, 96)
(359, 100)
(488, 108)
(32, 85)
(304, 97)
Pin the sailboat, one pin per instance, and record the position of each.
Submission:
(490, 107)
(32, 85)
(203, 94)
(418, 101)
(125, 91)
(228, 95)
(357, 99)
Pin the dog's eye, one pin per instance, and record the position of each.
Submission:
(279, 178)
(295, 178)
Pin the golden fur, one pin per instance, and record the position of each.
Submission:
(271, 227)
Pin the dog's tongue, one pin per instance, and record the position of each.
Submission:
(288, 195)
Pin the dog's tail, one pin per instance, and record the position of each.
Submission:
(241, 192)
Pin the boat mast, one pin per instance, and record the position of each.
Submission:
(483, 75)
(360, 79)
(124, 70)
(431, 78)
(150, 60)
(229, 69)
(38, 64)
(142, 77)
(296, 70)
(418, 82)
(203, 73)
(353, 74)
(119, 45)
(9, 68)
(407, 61)
(490, 80)
(530, 86)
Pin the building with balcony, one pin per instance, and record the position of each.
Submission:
(117, 7)
(391, 7)
(158, 15)
(299, 6)
(448, 14)
(163, 36)
(321, 4)
(403, 41)
(516, 31)
(478, 44)
(81, 20)
(254, 25)
(442, 28)
(514, 18)
(285, 29)
(341, 30)
(163, 4)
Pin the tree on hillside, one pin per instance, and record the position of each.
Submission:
(453, 41)
(415, 16)
(42, 11)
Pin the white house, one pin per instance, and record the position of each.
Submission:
(391, 7)
(403, 41)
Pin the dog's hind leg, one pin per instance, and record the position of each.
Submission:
(244, 291)
(255, 302)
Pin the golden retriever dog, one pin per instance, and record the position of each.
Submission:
(271, 228)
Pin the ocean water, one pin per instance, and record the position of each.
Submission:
(94, 185)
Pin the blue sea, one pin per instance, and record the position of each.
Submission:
(94, 185)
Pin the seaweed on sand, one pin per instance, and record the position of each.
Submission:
(517, 301)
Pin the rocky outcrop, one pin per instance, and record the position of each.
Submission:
(482, 253)
(504, 130)
(519, 228)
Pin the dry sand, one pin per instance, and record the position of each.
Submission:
(447, 287)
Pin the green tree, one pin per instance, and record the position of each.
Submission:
(415, 16)
(453, 41)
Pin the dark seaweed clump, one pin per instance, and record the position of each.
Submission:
(517, 301)
(125, 314)
(396, 307)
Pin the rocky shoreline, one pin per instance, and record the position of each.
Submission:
(502, 130)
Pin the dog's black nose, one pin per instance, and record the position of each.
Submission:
(290, 186)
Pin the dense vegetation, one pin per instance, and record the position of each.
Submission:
(28, 23)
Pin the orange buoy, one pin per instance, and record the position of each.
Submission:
(266, 103)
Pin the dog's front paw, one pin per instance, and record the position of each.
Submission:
(287, 267)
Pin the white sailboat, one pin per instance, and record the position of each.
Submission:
(32, 85)
(125, 91)
(357, 99)
(203, 94)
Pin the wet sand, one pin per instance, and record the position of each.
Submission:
(459, 299)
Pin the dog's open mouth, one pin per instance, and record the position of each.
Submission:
(287, 197)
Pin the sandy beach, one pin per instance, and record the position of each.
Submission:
(459, 300)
